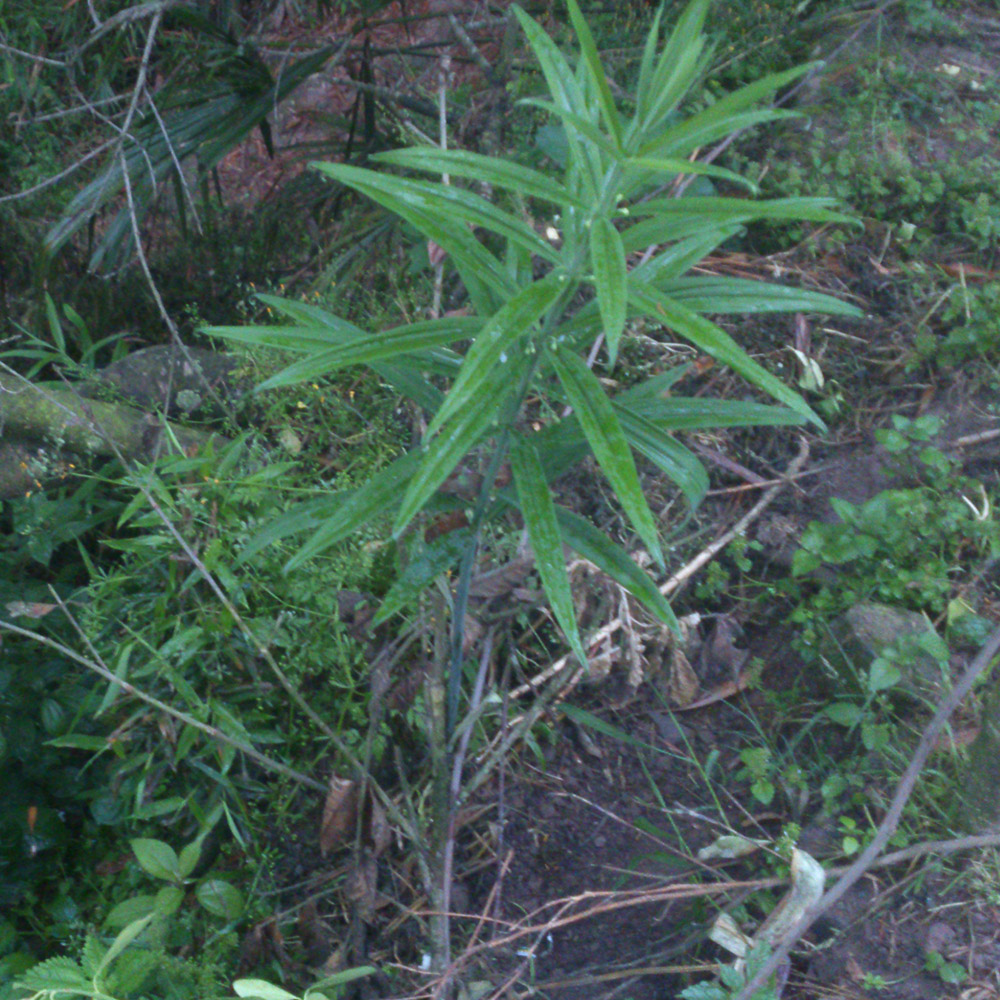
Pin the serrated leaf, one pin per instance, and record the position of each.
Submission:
(607, 257)
(157, 859)
(495, 346)
(604, 434)
(538, 511)
(57, 974)
(595, 546)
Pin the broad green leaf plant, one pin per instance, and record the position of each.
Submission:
(628, 248)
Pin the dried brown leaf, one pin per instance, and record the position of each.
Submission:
(379, 831)
(362, 886)
(340, 814)
(682, 684)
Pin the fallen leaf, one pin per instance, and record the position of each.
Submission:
(340, 814)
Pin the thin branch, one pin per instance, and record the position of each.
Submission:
(887, 827)
(98, 666)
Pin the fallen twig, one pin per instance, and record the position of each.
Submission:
(703, 557)
(888, 825)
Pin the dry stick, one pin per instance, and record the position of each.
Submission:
(888, 825)
(687, 571)
(98, 666)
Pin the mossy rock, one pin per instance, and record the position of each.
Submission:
(869, 630)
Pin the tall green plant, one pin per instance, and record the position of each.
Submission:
(536, 306)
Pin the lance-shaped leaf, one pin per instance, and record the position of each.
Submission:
(665, 453)
(486, 169)
(475, 264)
(716, 342)
(567, 97)
(713, 211)
(595, 71)
(494, 347)
(607, 441)
(725, 116)
(352, 509)
(451, 203)
(447, 449)
(595, 546)
(741, 295)
(680, 167)
(607, 257)
(539, 515)
(661, 87)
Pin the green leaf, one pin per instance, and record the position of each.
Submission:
(604, 434)
(567, 97)
(717, 211)
(495, 346)
(538, 512)
(157, 859)
(486, 169)
(663, 451)
(660, 90)
(168, 900)
(607, 257)
(475, 264)
(341, 978)
(77, 741)
(595, 71)
(189, 856)
(681, 167)
(452, 205)
(595, 546)
(58, 975)
(421, 570)
(122, 941)
(716, 342)
(448, 448)
(740, 295)
(587, 129)
(260, 989)
(377, 496)
(220, 898)
(727, 115)
(130, 910)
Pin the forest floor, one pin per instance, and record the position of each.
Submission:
(579, 874)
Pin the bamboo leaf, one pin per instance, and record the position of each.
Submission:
(595, 71)
(446, 450)
(487, 169)
(495, 345)
(538, 512)
(377, 496)
(604, 434)
(716, 342)
(654, 441)
(607, 257)
(595, 546)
